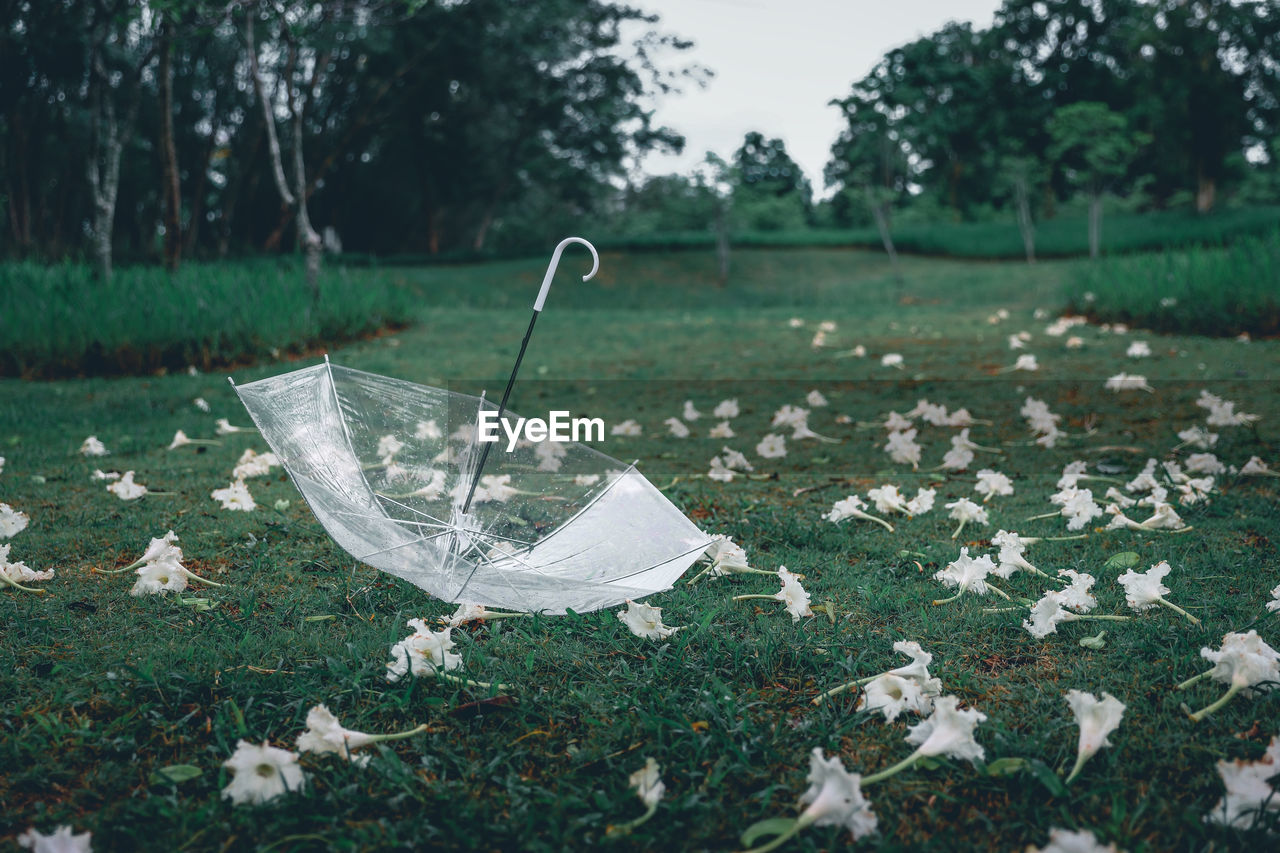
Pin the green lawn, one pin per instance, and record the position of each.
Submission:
(101, 690)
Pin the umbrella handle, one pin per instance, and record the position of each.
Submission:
(555, 261)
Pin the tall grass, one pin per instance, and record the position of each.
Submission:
(59, 320)
(1205, 291)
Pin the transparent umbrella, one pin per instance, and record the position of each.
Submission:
(396, 474)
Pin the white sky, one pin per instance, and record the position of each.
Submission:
(778, 62)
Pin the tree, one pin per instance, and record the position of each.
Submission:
(1095, 146)
(1023, 175)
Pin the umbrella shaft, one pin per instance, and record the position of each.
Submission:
(502, 407)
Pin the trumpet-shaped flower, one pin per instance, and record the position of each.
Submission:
(793, 595)
(326, 735)
(1274, 604)
(1097, 718)
(1255, 467)
(1066, 841)
(1249, 794)
(648, 783)
(965, 511)
(91, 446)
(1128, 382)
(992, 483)
(834, 798)
(428, 431)
(772, 447)
(922, 502)
(1199, 437)
(690, 413)
(1026, 361)
(726, 409)
(957, 459)
(967, 574)
(12, 521)
(225, 427)
(61, 840)
(790, 416)
(1144, 590)
(254, 464)
(388, 445)
(424, 652)
(1244, 661)
(235, 497)
(892, 359)
(853, 507)
(735, 460)
(887, 499)
(895, 422)
(903, 449)
(719, 471)
(99, 475)
(1138, 349)
(892, 694)
(17, 574)
(645, 621)
(948, 731)
(626, 428)
(126, 489)
(1072, 472)
(259, 774)
(721, 430)
(816, 399)
(1076, 595)
(1010, 560)
(160, 577)
(1205, 463)
(676, 427)
(1046, 614)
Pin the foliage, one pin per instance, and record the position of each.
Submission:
(1201, 291)
(59, 320)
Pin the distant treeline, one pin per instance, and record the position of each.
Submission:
(155, 130)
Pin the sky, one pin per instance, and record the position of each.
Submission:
(778, 62)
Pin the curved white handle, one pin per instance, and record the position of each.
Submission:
(555, 261)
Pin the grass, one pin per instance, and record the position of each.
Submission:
(59, 320)
(1222, 291)
(101, 690)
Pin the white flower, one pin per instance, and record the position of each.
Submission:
(735, 460)
(1243, 662)
(948, 731)
(1144, 590)
(428, 431)
(1075, 342)
(966, 573)
(1249, 794)
(1164, 518)
(126, 489)
(253, 464)
(965, 511)
(887, 499)
(1096, 718)
(772, 447)
(922, 502)
(957, 459)
(721, 430)
(789, 416)
(325, 734)
(795, 322)
(853, 507)
(494, 487)
(159, 577)
(648, 783)
(827, 326)
(1066, 841)
(902, 448)
(645, 621)
(1010, 560)
(726, 409)
(627, 428)
(690, 413)
(992, 483)
(1256, 467)
(224, 427)
(18, 571)
(896, 422)
(892, 694)
(1138, 349)
(1076, 595)
(424, 652)
(179, 440)
(814, 398)
(12, 521)
(61, 840)
(100, 475)
(584, 479)
(1026, 362)
(1046, 614)
(1128, 382)
(549, 454)
(892, 359)
(1274, 603)
(918, 669)
(677, 428)
(92, 447)
(201, 403)
(261, 773)
(1198, 436)
(1071, 474)
(819, 339)
(388, 445)
(793, 595)
(1016, 342)
(834, 797)
(1222, 412)
(235, 497)
(719, 472)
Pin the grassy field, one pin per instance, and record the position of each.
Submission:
(102, 690)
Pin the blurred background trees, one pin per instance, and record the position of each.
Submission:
(160, 130)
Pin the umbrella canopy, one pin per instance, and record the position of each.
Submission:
(396, 474)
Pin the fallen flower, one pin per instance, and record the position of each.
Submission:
(792, 594)
(1097, 718)
(853, 507)
(1242, 663)
(948, 731)
(721, 430)
(91, 446)
(965, 511)
(127, 490)
(917, 671)
(180, 439)
(690, 413)
(677, 428)
(834, 798)
(12, 521)
(645, 621)
(892, 359)
(224, 427)
(254, 464)
(903, 449)
(992, 483)
(1066, 841)
(235, 497)
(772, 447)
(967, 575)
(1138, 349)
(1128, 382)
(1144, 590)
(477, 613)
(17, 574)
(325, 734)
(649, 787)
(726, 409)
(259, 774)
(626, 428)
(61, 840)
(1249, 794)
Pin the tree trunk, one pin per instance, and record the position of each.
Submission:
(878, 210)
(1095, 224)
(1206, 192)
(171, 191)
(104, 178)
(308, 239)
(1025, 224)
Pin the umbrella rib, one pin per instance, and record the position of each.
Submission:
(589, 503)
(702, 547)
(385, 517)
(411, 509)
(417, 541)
(447, 524)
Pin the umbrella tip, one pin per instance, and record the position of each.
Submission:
(232, 381)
